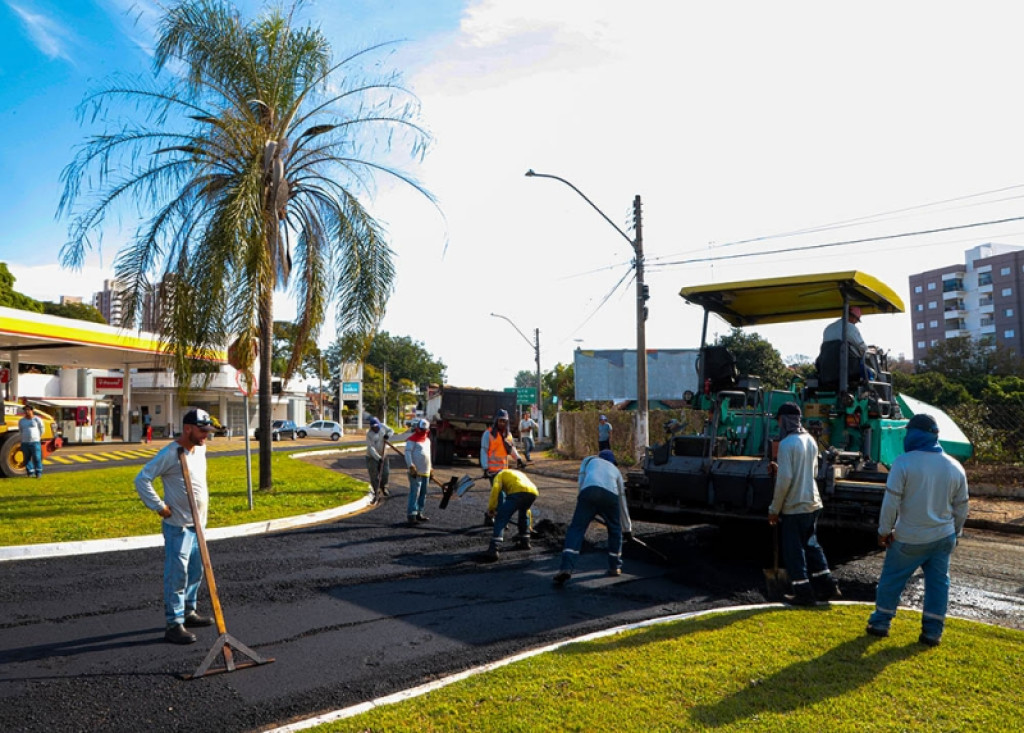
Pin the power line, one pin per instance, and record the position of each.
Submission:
(843, 243)
(605, 299)
(872, 218)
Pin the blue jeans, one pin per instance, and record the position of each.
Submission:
(417, 495)
(800, 549)
(592, 502)
(901, 560)
(519, 502)
(33, 453)
(183, 572)
(527, 446)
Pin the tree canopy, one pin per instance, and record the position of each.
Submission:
(248, 157)
(755, 355)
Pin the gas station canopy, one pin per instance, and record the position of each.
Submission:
(34, 338)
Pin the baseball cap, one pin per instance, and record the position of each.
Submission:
(422, 424)
(501, 415)
(608, 456)
(374, 422)
(199, 418)
(924, 422)
(855, 312)
(602, 418)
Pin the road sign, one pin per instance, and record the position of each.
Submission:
(351, 388)
(524, 395)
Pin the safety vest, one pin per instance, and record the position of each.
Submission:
(497, 456)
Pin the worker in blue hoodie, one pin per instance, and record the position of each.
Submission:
(923, 513)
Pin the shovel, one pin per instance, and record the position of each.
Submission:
(776, 579)
(456, 486)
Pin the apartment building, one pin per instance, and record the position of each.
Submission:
(982, 298)
(108, 303)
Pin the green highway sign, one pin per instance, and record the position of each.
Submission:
(524, 395)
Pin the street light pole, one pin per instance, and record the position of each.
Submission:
(536, 354)
(637, 243)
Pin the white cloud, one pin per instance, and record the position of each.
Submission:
(48, 34)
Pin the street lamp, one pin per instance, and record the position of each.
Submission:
(637, 243)
(536, 354)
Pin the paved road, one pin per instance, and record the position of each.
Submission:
(350, 610)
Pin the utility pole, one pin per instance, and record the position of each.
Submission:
(540, 398)
(642, 295)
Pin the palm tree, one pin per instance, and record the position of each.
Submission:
(246, 168)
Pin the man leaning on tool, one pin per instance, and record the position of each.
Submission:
(183, 564)
(376, 465)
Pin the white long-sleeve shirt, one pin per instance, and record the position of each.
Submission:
(925, 498)
(164, 465)
(418, 454)
(375, 441)
(796, 491)
(604, 474)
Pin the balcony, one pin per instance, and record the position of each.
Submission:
(957, 313)
(957, 333)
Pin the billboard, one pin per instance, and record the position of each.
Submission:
(611, 374)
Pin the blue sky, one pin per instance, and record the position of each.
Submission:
(733, 121)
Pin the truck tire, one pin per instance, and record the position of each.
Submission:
(12, 462)
(445, 452)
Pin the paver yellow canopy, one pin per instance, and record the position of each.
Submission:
(795, 298)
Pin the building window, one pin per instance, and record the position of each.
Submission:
(1009, 312)
(1007, 292)
(918, 288)
(933, 324)
(1004, 271)
(1008, 333)
(984, 278)
(919, 326)
(985, 299)
(921, 344)
(919, 307)
(935, 342)
(931, 286)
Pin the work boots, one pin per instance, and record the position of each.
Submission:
(193, 619)
(825, 588)
(178, 634)
(492, 554)
(523, 542)
(802, 595)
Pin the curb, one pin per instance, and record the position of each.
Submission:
(85, 547)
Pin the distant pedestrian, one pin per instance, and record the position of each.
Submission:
(526, 427)
(31, 429)
(923, 513)
(511, 491)
(602, 494)
(417, 459)
(147, 427)
(604, 433)
(376, 465)
(796, 506)
(183, 564)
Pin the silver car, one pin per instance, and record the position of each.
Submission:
(321, 429)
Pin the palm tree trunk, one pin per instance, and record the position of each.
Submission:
(266, 323)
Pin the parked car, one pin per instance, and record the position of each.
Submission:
(321, 429)
(281, 429)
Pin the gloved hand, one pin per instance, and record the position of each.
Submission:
(412, 472)
(627, 536)
(520, 464)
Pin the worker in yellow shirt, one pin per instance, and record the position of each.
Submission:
(520, 493)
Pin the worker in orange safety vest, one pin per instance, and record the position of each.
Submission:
(496, 449)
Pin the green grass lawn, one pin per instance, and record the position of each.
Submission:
(767, 669)
(102, 503)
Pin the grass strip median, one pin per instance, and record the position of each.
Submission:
(101, 503)
(765, 669)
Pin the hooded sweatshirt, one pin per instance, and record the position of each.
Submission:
(796, 491)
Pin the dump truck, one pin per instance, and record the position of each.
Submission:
(13, 460)
(725, 469)
(458, 418)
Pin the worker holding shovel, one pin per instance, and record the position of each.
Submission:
(795, 507)
(417, 459)
(183, 566)
(376, 465)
